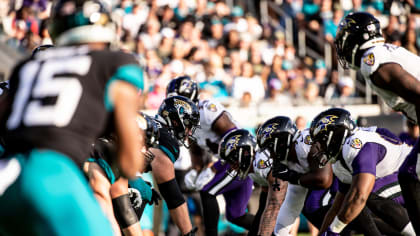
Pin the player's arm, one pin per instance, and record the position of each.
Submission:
(130, 158)
(101, 190)
(354, 201)
(275, 198)
(332, 212)
(391, 76)
(317, 178)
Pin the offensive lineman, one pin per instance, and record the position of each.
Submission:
(361, 159)
(59, 103)
(213, 179)
(393, 72)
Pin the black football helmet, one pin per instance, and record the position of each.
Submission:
(330, 129)
(183, 86)
(276, 135)
(181, 115)
(356, 32)
(81, 21)
(149, 125)
(238, 149)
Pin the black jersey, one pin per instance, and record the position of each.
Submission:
(168, 143)
(59, 100)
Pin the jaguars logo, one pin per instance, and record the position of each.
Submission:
(307, 140)
(231, 144)
(267, 131)
(356, 143)
(369, 59)
(182, 106)
(324, 122)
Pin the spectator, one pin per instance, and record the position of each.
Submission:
(248, 82)
(300, 122)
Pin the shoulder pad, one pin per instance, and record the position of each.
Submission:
(210, 110)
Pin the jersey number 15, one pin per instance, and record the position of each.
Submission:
(52, 78)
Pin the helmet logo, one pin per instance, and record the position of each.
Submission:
(185, 85)
(356, 143)
(348, 23)
(231, 144)
(323, 123)
(182, 106)
(369, 59)
(266, 133)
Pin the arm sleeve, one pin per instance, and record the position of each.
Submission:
(290, 209)
(367, 159)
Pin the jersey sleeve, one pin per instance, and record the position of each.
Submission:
(210, 111)
(366, 160)
(126, 69)
(168, 144)
(373, 58)
(262, 164)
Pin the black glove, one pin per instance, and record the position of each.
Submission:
(155, 197)
(282, 172)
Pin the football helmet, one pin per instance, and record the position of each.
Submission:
(238, 149)
(356, 32)
(182, 117)
(330, 129)
(276, 135)
(81, 21)
(151, 129)
(183, 86)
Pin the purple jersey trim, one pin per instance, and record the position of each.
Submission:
(367, 158)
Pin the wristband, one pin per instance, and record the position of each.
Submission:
(337, 225)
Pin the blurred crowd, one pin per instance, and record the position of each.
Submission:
(229, 49)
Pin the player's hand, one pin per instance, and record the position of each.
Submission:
(135, 197)
(282, 172)
(190, 178)
(155, 197)
(204, 178)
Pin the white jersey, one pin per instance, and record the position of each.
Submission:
(210, 111)
(302, 147)
(388, 53)
(370, 152)
(262, 166)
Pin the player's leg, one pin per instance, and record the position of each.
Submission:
(54, 189)
(124, 212)
(164, 173)
(408, 178)
(261, 206)
(237, 196)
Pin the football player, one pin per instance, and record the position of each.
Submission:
(213, 178)
(392, 72)
(111, 190)
(59, 103)
(178, 118)
(360, 159)
(292, 154)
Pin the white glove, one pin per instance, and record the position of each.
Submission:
(204, 178)
(190, 179)
(135, 197)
